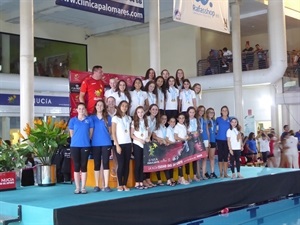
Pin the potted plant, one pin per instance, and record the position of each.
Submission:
(11, 159)
(43, 140)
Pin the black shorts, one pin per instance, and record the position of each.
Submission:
(265, 156)
(213, 144)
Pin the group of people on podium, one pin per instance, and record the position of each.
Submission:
(165, 109)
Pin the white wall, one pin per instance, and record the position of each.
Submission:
(258, 99)
(293, 40)
(112, 52)
(214, 40)
(178, 50)
(292, 37)
(294, 117)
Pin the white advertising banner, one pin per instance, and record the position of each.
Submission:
(210, 14)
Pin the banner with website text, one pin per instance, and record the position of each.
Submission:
(132, 10)
(76, 78)
(210, 14)
(159, 157)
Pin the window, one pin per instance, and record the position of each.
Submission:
(51, 58)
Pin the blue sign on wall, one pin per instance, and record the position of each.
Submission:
(132, 10)
(39, 100)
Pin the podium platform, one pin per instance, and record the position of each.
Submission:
(162, 205)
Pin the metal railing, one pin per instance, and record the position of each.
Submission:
(250, 61)
(291, 79)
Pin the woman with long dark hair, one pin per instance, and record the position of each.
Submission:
(101, 144)
(121, 93)
(81, 131)
(223, 124)
(122, 141)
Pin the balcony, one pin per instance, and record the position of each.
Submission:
(291, 79)
(215, 65)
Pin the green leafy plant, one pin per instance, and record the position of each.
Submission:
(11, 157)
(44, 138)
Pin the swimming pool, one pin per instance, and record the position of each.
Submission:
(282, 212)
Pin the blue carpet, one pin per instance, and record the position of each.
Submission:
(38, 203)
(61, 195)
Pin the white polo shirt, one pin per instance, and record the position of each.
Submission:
(170, 134)
(264, 145)
(109, 93)
(161, 99)
(151, 98)
(232, 134)
(122, 129)
(137, 99)
(180, 130)
(142, 133)
(161, 132)
(145, 82)
(120, 98)
(186, 97)
(151, 123)
(172, 99)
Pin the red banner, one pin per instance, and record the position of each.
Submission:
(164, 157)
(7, 180)
(76, 78)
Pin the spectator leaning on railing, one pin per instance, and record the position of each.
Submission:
(261, 55)
(248, 56)
(223, 65)
(228, 57)
(213, 63)
(227, 54)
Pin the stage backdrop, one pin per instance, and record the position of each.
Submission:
(76, 78)
(210, 14)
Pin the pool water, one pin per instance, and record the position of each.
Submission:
(283, 212)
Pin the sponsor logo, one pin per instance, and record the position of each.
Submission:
(75, 88)
(11, 99)
(42, 101)
(203, 7)
(203, 2)
(6, 181)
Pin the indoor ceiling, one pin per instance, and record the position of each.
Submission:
(253, 18)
